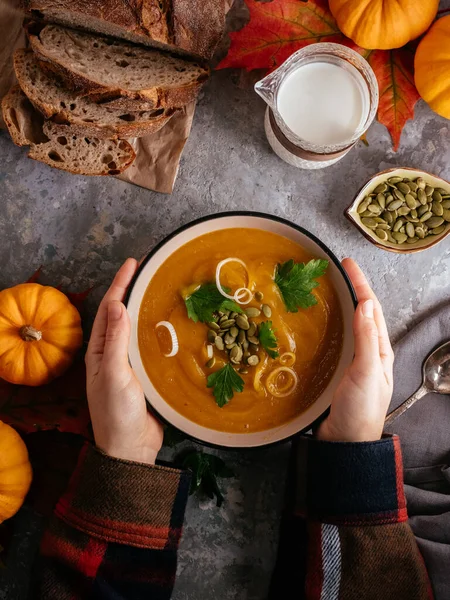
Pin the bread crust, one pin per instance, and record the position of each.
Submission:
(189, 26)
(145, 99)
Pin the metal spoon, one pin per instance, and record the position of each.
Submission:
(435, 378)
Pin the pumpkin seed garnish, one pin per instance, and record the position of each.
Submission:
(252, 312)
(253, 360)
(267, 311)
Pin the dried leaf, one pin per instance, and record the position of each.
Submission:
(394, 70)
(278, 28)
(35, 277)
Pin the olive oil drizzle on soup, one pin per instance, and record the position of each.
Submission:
(313, 334)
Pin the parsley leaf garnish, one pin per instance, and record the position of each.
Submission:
(296, 282)
(206, 300)
(268, 338)
(205, 469)
(225, 382)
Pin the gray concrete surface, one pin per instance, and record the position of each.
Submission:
(81, 229)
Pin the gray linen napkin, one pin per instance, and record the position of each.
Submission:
(424, 432)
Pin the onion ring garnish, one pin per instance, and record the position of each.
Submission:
(173, 335)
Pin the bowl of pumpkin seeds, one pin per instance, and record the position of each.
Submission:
(402, 210)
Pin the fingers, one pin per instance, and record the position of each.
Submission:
(116, 292)
(364, 292)
(117, 338)
(367, 349)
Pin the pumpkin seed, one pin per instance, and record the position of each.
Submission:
(384, 226)
(412, 240)
(422, 196)
(259, 295)
(211, 362)
(437, 208)
(227, 323)
(397, 193)
(437, 230)
(421, 183)
(253, 360)
(219, 343)
(420, 232)
(374, 208)
(429, 190)
(413, 194)
(390, 238)
(400, 238)
(413, 213)
(211, 336)
(410, 201)
(252, 330)
(241, 336)
(382, 187)
(213, 326)
(412, 186)
(381, 234)
(246, 354)
(242, 322)
(229, 339)
(435, 222)
(397, 225)
(253, 348)
(267, 310)
(403, 210)
(388, 217)
(229, 346)
(426, 216)
(412, 219)
(366, 213)
(234, 331)
(395, 179)
(409, 230)
(252, 312)
(379, 220)
(395, 204)
(437, 196)
(422, 210)
(402, 229)
(389, 198)
(245, 345)
(381, 199)
(368, 222)
(236, 354)
(362, 207)
(446, 215)
(403, 187)
(445, 203)
(443, 192)
(253, 340)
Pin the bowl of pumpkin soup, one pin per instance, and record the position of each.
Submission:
(241, 329)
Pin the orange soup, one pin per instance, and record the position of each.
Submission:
(292, 354)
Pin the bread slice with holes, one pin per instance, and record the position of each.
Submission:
(62, 146)
(106, 69)
(192, 26)
(65, 107)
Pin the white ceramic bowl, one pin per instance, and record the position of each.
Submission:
(221, 221)
(352, 213)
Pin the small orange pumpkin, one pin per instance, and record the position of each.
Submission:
(15, 471)
(383, 24)
(432, 67)
(40, 333)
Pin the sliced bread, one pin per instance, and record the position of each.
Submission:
(192, 26)
(61, 146)
(65, 107)
(105, 69)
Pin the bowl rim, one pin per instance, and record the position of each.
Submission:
(349, 215)
(240, 213)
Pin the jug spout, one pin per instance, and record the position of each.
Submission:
(267, 88)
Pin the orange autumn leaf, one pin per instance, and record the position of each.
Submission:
(278, 28)
(394, 70)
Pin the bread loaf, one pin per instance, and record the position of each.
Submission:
(105, 69)
(62, 146)
(192, 26)
(65, 107)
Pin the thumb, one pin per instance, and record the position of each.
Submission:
(115, 353)
(365, 331)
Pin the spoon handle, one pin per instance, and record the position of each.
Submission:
(420, 393)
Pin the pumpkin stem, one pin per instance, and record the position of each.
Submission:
(29, 334)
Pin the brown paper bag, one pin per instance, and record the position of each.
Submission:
(157, 155)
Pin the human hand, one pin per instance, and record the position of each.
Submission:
(361, 400)
(122, 426)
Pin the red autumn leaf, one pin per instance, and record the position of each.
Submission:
(394, 70)
(278, 28)
(35, 277)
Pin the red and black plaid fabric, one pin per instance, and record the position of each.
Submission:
(116, 531)
(345, 534)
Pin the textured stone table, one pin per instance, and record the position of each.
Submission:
(81, 229)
